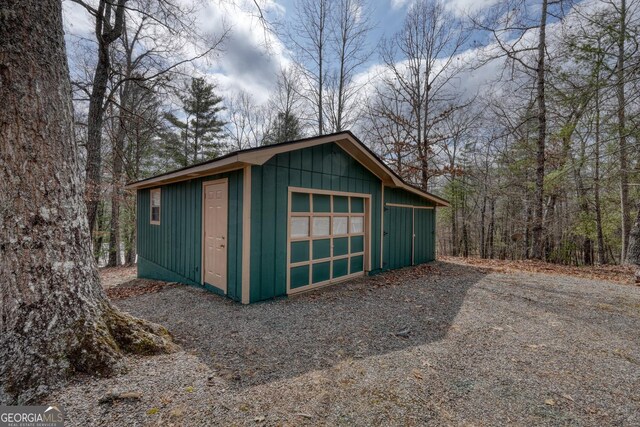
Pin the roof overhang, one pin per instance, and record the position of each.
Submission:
(259, 156)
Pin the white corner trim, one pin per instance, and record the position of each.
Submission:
(246, 234)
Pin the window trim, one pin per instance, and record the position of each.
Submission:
(151, 206)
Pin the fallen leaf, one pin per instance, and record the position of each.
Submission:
(550, 402)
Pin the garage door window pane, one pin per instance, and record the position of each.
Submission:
(340, 267)
(340, 204)
(340, 225)
(340, 246)
(300, 251)
(321, 248)
(321, 203)
(300, 226)
(321, 271)
(357, 244)
(356, 264)
(299, 276)
(356, 224)
(321, 226)
(357, 205)
(299, 202)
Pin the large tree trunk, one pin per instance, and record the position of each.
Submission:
(483, 248)
(93, 167)
(622, 138)
(106, 33)
(56, 319)
(633, 254)
(602, 258)
(538, 227)
(116, 181)
(116, 195)
(490, 232)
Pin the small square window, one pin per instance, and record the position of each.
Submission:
(300, 226)
(155, 206)
(340, 225)
(356, 224)
(321, 225)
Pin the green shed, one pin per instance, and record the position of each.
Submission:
(275, 220)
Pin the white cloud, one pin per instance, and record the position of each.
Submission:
(458, 7)
(397, 4)
(249, 59)
(77, 20)
(252, 55)
(464, 7)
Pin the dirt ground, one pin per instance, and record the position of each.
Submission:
(623, 274)
(443, 344)
(113, 276)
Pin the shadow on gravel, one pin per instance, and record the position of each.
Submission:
(278, 339)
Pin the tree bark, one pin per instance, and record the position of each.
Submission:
(56, 319)
(490, 232)
(602, 258)
(454, 222)
(116, 179)
(322, 19)
(106, 33)
(633, 254)
(538, 226)
(116, 194)
(483, 248)
(622, 138)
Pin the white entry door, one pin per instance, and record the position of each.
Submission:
(215, 234)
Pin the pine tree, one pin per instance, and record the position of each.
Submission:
(285, 127)
(198, 137)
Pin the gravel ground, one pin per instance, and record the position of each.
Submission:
(445, 344)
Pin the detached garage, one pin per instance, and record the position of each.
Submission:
(276, 220)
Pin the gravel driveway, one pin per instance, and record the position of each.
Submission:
(443, 344)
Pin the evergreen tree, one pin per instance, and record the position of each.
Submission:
(199, 136)
(285, 127)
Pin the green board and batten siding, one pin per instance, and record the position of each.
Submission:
(399, 223)
(172, 251)
(322, 167)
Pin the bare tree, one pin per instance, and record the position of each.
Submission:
(286, 98)
(248, 122)
(421, 67)
(350, 27)
(56, 319)
(512, 25)
(309, 36)
(386, 130)
(110, 19)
